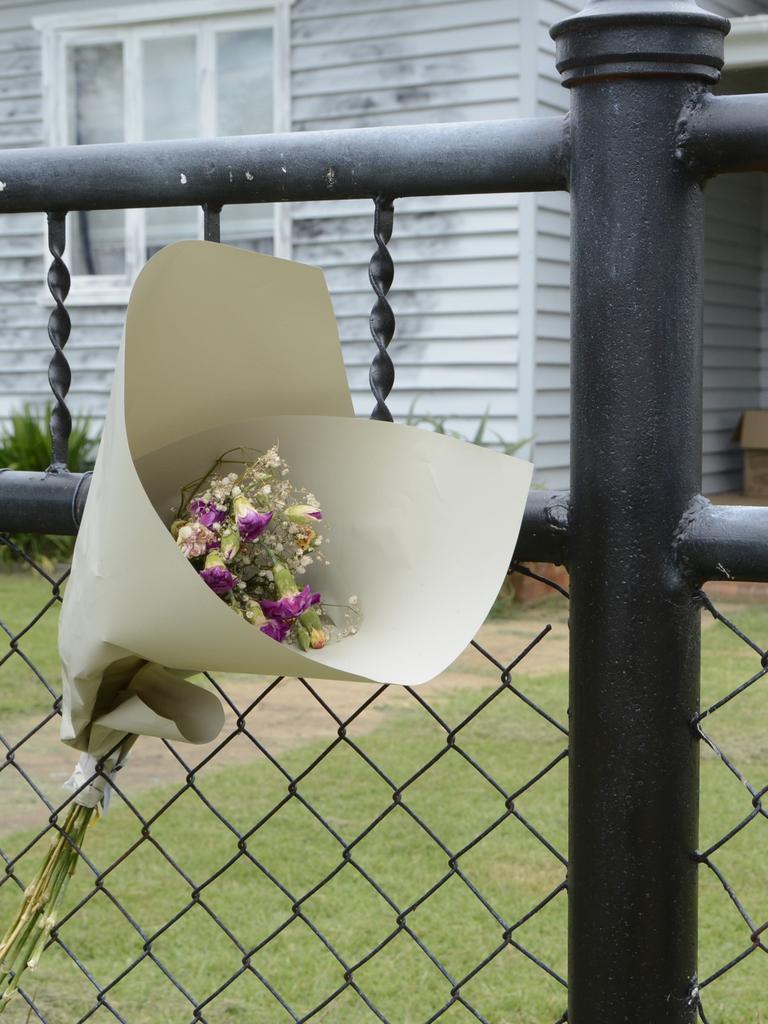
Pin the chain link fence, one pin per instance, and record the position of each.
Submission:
(342, 852)
(732, 877)
(351, 852)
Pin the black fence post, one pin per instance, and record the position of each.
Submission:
(633, 66)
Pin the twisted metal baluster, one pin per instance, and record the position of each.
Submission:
(59, 327)
(381, 272)
(212, 222)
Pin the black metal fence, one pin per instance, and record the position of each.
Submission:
(414, 928)
(643, 135)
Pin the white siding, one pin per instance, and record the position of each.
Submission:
(368, 62)
(553, 348)
(24, 347)
(734, 243)
(734, 8)
(455, 294)
(551, 427)
(481, 283)
(734, 321)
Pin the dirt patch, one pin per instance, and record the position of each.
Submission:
(287, 715)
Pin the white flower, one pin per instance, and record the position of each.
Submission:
(193, 539)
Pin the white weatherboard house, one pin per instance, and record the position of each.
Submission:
(481, 283)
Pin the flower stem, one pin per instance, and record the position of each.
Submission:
(31, 929)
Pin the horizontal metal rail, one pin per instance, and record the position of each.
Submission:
(473, 157)
(35, 502)
(715, 542)
(723, 134)
(544, 532)
(724, 542)
(54, 503)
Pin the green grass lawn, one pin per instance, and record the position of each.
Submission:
(509, 868)
(23, 595)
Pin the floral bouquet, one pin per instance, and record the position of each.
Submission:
(227, 351)
(249, 535)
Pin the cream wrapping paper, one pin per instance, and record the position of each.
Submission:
(224, 348)
(91, 787)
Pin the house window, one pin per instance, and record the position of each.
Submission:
(160, 73)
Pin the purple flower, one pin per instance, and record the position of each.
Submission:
(277, 630)
(220, 580)
(206, 513)
(250, 522)
(290, 606)
(217, 575)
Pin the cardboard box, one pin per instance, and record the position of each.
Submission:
(752, 436)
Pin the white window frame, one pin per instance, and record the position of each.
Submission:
(129, 25)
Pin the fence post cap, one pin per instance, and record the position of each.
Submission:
(631, 38)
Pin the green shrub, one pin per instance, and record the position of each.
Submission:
(437, 423)
(25, 444)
